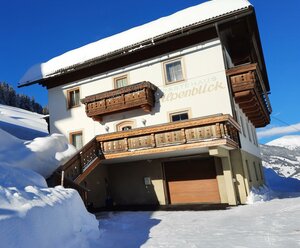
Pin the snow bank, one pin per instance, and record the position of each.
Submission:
(276, 187)
(42, 155)
(32, 215)
(260, 194)
(21, 123)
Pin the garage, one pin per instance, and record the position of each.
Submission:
(192, 181)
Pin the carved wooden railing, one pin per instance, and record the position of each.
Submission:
(140, 95)
(250, 93)
(67, 183)
(81, 160)
(176, 133)
(75, 167)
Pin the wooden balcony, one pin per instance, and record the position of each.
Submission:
(250, 93)
(140, 95)
(217, 130)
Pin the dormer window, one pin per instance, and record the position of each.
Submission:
(173, 71)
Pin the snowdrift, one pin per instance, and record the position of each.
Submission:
(43, 155)
(31, 214)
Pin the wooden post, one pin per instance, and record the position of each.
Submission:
(62, 178)
(183, 135)
(126, 144)
(218, 130)
(153, 140)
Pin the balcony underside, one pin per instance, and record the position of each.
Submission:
(179, 150)
(250, 94)
(140, 95)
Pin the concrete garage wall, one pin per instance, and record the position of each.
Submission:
(247, 171)
(254, 175)
(128, 187)
(221, 180)
(95, 182)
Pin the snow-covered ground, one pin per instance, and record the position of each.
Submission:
(33, 215)
(272, 219)
(274, 223)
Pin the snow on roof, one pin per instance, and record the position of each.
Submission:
(193, 15)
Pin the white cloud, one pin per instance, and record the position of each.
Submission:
(281, 130)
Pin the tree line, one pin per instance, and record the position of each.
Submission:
(8, 96)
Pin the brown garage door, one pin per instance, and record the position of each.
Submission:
(192, 181)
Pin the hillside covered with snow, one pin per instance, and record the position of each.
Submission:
(283, 156)
(21, 123)
(31, 214)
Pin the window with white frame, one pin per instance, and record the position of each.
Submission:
(173, 71)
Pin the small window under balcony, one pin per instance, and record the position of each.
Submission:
(179, 116)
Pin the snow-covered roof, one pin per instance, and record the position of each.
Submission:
(194, 15)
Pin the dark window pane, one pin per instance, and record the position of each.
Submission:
(180, 117)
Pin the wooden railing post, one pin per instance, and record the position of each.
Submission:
(183, 135)
(153, 140)
(126, 144)
(62, 178)
(218, 131)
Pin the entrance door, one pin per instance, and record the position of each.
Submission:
(192, 181)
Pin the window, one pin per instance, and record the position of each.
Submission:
(261, 171)
(173, 71)
(254, 136)
(179, 116)
(243, 126)
(248, 170)
(255, 169)
(121, 81)
(125, 126)
(76, 139)
(73, 98)
(248, 131)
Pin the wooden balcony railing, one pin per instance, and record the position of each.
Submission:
(250, 93)
(209, 131)
(81, 160)
(140, 95)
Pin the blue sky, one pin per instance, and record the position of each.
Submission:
(35, 31)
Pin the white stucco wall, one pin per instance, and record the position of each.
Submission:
(203, 92)
(248, 137)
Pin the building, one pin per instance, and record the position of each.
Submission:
(164, 113)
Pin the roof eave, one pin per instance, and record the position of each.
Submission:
(135, 47)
